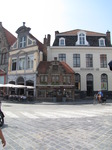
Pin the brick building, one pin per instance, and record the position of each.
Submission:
(55, 81)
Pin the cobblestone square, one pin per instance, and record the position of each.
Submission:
(57, 127)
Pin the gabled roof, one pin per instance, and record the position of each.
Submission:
(67, 67)
(37, 42)
(45, 65)
(26, 30)
(10, 37)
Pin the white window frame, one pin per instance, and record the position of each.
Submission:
(22, 42)
(61, 41)
(81, 38)
(30, 62)
(62, 57)
(101, 42)
(22, 63)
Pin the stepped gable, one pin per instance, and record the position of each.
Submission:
(45, 65)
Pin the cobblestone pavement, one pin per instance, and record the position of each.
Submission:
(57, 127)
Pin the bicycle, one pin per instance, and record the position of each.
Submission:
(96, 100)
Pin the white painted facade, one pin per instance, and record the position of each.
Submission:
(96, 70)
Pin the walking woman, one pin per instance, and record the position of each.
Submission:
(2, 138)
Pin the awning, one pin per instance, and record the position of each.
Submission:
(55, 85)
(16, 86)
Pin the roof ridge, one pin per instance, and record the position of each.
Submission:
(88, 32)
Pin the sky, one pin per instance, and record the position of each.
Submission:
(47, 16)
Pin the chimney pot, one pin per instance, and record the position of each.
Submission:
(23, 23)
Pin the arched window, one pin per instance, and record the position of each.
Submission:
(30, 83)
(104, 82)
(62, 41)
(89, 84)
(81, 40)
(20, 81)
(77, 81)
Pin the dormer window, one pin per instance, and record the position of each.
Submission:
(22, 42)
(62, 42)
(101, 42)
(81, 38)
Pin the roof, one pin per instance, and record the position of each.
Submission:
(23, 29)
(37, 41)
(67, 67)
(88, 33)
(45, 65)
(10, 37)
(71, 38)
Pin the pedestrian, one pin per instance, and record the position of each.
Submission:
(2, 138)
(100, 95)
(95, 99)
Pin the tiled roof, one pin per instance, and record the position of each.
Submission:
(44, 66)
(88, 33)
(37, 41)
(10, 37)
(67, 67)
(71, 38)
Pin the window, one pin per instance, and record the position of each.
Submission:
(104, 82)
(2, 79)
(77, 81)
(66, 80)
(14, 64)
(55, 68)
(103, 61)
(101, 42)
(62, 57)
(61, 42)
(4, 58)
(55, 79)
(22, 63)
(76, 60)
(22, 42)
(43, 79)
(30, 59)
(82, 39)
(89, 60)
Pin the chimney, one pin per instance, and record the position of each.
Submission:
(0, 24)
(56, 32)
(48, 39)
(108, 36)
(45, 40)
(23, 23)
(55, 58)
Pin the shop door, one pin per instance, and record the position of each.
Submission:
(89, 85)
